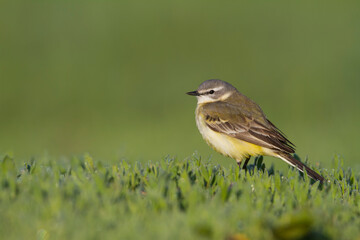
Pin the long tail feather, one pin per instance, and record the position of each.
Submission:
(300, 166)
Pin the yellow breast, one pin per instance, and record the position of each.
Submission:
(226, 145)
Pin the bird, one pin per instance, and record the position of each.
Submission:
(235, 126)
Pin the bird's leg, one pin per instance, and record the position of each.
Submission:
(238, 163)
(246, 162)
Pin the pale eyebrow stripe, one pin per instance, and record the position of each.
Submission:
(215, 89)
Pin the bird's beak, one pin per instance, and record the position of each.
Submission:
(193, 93)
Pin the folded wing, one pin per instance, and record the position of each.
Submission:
(252, 127)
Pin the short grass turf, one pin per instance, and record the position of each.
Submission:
(191, 198)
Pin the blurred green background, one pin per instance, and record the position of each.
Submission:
(109, 77)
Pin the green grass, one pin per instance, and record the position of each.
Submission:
(174, 199)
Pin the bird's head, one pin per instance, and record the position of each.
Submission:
(213, 90)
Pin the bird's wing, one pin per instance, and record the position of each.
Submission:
(248, 124)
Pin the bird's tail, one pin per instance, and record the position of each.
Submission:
(300, 166)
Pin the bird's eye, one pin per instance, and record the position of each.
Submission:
(211, 91)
